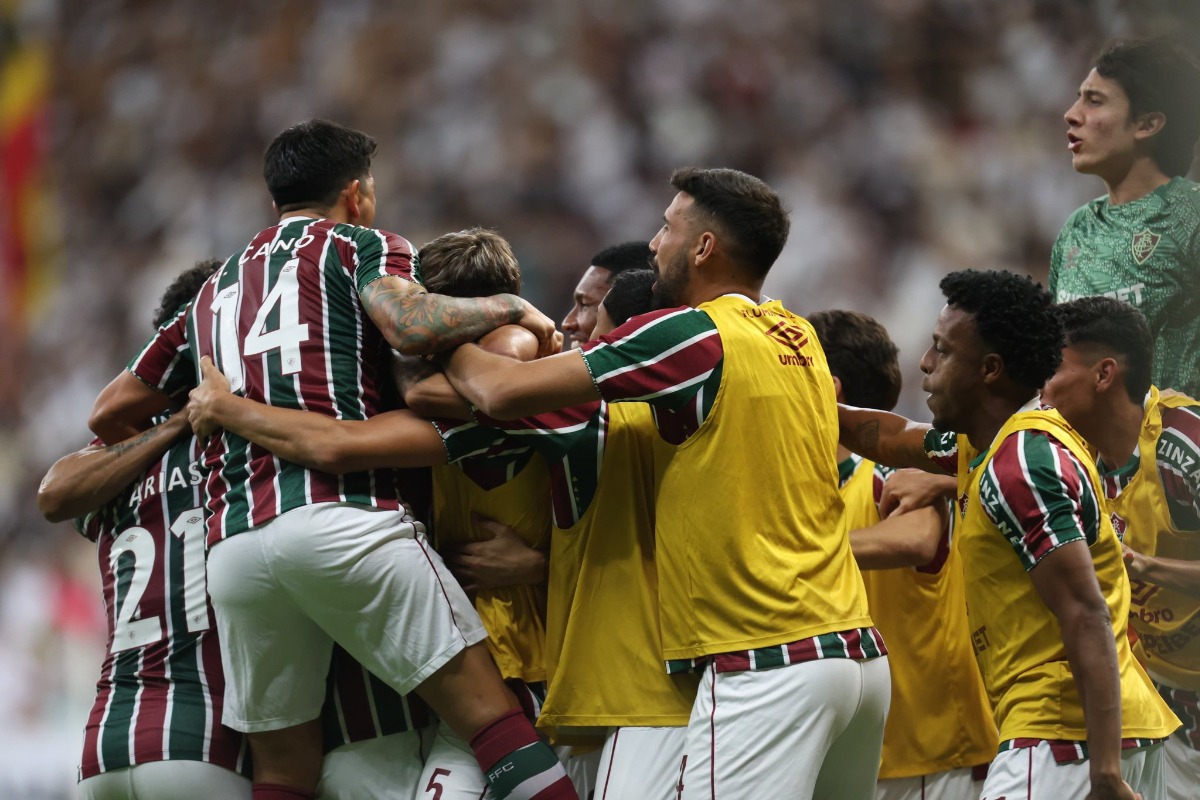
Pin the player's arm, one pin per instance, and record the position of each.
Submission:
(1169, 573)
(1035, 491)
(427, 392)
(506, 390)
(126, 407)
(1066, 581)
(909, 489)
(885, 438)
(83, 481)
(902, 540)
(391, 439)
(416, 322)
(155, 380)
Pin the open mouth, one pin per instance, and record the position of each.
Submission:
(1073, 142)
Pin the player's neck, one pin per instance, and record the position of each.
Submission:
(1115, 436)
(993, 411)
(1142, 178)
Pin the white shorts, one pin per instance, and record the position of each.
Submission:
(1032, 772)
(812, 729)
(582, 766)
(365, 578)
(384, 768)
(166, 780)
(451, 771)
(640, 764)
(1181, 769)
(951, 784)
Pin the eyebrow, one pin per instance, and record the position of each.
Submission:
(1093, 94)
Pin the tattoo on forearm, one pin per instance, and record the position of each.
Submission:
(426, 323)
(121, 448)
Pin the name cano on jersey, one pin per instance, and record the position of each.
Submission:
(267, 248)
(165, 482)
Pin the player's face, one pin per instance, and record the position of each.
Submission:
(953, 367)
(1100, 134)
(670, 254)
(589, 292)
(1071, 389)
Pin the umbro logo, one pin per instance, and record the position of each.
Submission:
(793, 338)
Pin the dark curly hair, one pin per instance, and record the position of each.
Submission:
(1016, 319)
(1116, 328)
(183, 289)
(862, 356)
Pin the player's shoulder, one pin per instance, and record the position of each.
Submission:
(1184, 195)
(374, 236)
(1086, 212)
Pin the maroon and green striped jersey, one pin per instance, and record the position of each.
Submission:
(284, 323)
(1147, 253)
(359, 706)
(160, 690)
(1033, 490)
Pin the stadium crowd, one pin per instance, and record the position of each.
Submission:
(908, 139)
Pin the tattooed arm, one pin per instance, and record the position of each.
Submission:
(85, 480)
(416, 322)
(885, 438)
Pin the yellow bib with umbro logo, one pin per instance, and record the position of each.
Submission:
(752, 542)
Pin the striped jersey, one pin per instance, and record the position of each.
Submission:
(1147, 253)
(160, 692)
(762, 575)
(359, 706)
(1032, 491)
(284, 323)
(1155, 502)
(603, 645)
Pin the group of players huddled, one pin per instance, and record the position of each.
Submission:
(679, 558)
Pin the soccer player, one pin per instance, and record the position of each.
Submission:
(606, 676)
(1135, 126)
(298, 559)
(1047, 594)
(1148, 449)
(602, 634)
(940, 734)
(594, 284)
(756, 582)
(156, 728)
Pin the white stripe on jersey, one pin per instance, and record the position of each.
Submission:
(168, 624)
(670, 351)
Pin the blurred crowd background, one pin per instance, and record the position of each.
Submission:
(910, 138)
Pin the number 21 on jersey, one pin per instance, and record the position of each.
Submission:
(139, 543)
(286, 337)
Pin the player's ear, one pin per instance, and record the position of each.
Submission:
(350, 198)
(1109, 375)
(991, 368)
(1149, 124)
(837, 389)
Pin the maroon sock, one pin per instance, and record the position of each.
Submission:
(274, 791)
(508, 732)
